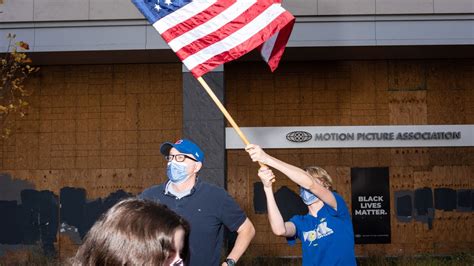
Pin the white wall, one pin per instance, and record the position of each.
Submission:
(78, 10)
(108, 25)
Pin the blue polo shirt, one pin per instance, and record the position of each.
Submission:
(208, 208)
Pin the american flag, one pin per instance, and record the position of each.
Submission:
(207, 33)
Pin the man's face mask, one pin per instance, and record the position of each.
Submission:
(307, 197)
(177, 173)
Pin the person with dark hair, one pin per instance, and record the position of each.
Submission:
(135, 232)
(326, 231)
(207, 207)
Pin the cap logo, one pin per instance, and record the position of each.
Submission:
(179, 141)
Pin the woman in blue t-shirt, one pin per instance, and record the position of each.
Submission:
(326, 231)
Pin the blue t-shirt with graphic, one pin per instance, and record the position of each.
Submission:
(327, 239)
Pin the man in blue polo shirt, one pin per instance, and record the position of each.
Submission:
(208, 208)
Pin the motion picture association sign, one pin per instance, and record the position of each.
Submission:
(355, 136)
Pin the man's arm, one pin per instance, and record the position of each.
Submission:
(245, 234)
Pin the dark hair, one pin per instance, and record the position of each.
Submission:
(133, 232)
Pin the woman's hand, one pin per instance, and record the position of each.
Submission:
(256, 153)
(266, 176)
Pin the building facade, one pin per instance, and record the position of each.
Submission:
(110, 91)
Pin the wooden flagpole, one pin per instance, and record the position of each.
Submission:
(226, 114)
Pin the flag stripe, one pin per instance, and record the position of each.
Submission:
(248, 16)
(211, 25)
(184, 13)
(243, 34)
(189, 24)
(243, 48)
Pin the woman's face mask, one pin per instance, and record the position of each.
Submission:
(177, 173)
(307, 197)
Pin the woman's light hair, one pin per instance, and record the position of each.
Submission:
(132, 232)
(320, 174)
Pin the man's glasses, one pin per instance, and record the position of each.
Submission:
(178, 157)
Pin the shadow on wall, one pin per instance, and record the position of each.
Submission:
(10, 189)
(289, 203)
(422, 203)
(31, 217)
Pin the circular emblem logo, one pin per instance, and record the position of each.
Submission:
(299, 136)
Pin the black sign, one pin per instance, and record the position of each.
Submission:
(371, 205)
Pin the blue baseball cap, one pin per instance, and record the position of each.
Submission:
(184, 146)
